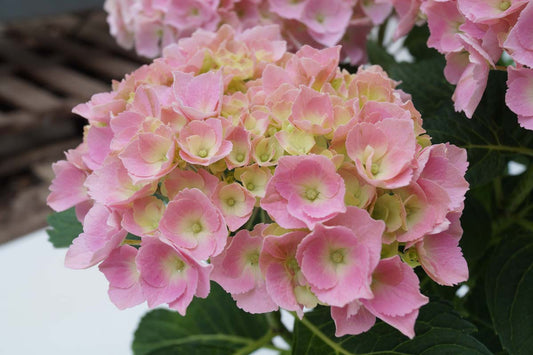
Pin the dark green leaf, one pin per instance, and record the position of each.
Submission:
(476, 236)
(416, 43)
(65, 227)
(379, 55)
(478, 314)
(212, 326)
(509, 289)
(439, 329)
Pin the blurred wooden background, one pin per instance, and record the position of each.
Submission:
(47, 66)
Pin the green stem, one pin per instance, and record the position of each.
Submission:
(274, 321)
(503, 148)
(251, 222)
(521, 191)
(338, 349)
(525, 224)
(259, 343)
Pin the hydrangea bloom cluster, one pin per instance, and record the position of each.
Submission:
(473, 35)
(181, 158)
(150, 25)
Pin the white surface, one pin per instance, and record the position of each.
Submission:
(46, 308)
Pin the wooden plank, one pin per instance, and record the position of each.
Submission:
(51, 74)
(16, 121)
(25, 212)
(99, 62)
(102, 39)
(25, 95)
(50, 152)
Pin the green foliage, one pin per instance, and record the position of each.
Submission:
(439, 330)
(65, 227)
(509, 292)
(416, 43)
(212, 326)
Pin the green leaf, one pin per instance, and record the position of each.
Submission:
(492, 136)
(379, 55)
(509, 289)
(65, 228)
(476, 236)
(416, 43)
(212, 326)
(439, 330)
(478, 314)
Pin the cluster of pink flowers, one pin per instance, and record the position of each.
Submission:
(184, 154)
(473, 34)
(150, 25)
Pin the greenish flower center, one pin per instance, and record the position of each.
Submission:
(230, 201)
(179, 265)
(311, 194)
(250, 186)
(374, 169)
(504, 5)
(196, 228)
(253, 258)
(202, 153)
(239, 157)
(337, 256)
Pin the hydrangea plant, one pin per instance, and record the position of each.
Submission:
(264, 175)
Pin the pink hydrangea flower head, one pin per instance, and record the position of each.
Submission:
(396, 301)
(121, 271)
(191, 14)
(520, 93)
(312, 112)
(266, 151)
(111, 185)
(441, 257)
(98, 141)
(330, 259)
(489, 11)
(326, 21)
(254, 178)
(101, 234)
(425, 209)
(142, 218)
(519, 42)
(288, 9)
(304, 189)
(170, 275)
(199, 97)
(383, 156)
(193, 223)
(444, 20)
(150, 155)
(100, 108)
(67, 188)
(407, 11)
(284, 280)
(314, 67)
(203, 143)
(359, 193)
(371, 84)
(235, 203)
(179, 180)
(237, 270)
(241, 147)
(445, 167)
